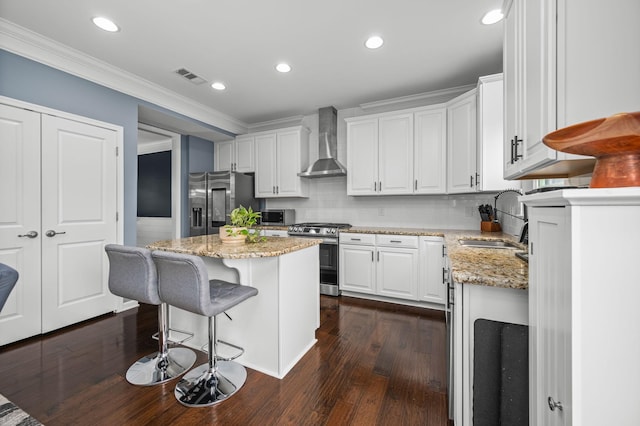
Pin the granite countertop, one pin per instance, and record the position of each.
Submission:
(211, 246)
(471, 265)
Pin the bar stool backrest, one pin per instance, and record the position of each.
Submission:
(132, 273)
(184, 282)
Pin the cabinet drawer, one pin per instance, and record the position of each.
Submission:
(361, 239)
(409, 241)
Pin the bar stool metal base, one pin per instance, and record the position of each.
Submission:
(151, 370)
(202, 387)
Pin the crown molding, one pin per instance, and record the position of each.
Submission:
(294, 120)
(31, 45)
(425, 98)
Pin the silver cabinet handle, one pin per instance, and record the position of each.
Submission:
(51, 233)
(30, 234)
(375, 186)
(554, 404)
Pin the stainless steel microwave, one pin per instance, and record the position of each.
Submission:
(278, 217)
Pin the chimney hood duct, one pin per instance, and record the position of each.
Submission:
(327, 164)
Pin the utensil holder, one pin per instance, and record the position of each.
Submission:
(490, 226)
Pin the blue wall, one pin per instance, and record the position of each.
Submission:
(200, 155)
(33, 82)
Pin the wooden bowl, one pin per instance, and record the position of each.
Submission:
(614, 141)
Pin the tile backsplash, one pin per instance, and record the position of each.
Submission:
(328, 202)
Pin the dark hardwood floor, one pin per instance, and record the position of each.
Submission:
(374, 363)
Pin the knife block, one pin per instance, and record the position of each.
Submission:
(486, 226)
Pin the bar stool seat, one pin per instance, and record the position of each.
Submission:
(132, 274)
(184, 283)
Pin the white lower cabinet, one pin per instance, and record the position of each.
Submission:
(274, 233)
(431, 285)
(583, 348)
(398, 266)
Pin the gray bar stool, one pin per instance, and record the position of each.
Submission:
(184, 282)
(8, 279)
(132, 274)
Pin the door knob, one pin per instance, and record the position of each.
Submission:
(52, 233)
(30, 234)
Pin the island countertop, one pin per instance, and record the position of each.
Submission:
(212, 246)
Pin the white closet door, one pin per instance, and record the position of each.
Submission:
(19, 215)
(79, 205)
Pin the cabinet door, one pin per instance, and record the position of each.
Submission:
(395, 154)
(512, 62)
(431, 286)
(288, 183)
(489, 155)
(550, 316)
(538, 29)
(244, 154)
(461, 143)
(265, 178)
(362, 157)
(357, 269)
(223, 156)
(430, 148)
(397, 272)
(20, 214)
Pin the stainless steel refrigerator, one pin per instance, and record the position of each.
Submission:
(212, 196)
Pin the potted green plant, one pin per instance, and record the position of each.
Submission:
(240, 230)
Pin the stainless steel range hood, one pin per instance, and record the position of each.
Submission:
(327, 164)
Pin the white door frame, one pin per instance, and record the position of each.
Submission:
(119, 145)
(176, 193)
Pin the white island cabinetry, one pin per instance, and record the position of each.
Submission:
(277, 326)
(579, 346)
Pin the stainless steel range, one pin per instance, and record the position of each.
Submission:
(328, 233)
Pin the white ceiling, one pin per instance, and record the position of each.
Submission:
(429, 45)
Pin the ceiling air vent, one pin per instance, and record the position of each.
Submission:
(193, 78)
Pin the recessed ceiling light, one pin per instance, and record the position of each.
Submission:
(374, 42)
(105, 24)
(282, 67)
(218, 85)
(492, 17)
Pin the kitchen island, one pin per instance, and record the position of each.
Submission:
(276, 327)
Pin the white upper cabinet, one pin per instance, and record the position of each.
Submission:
(461, 142)
(490, 136)
(280, 156)
(559, 72)
(397, 153)
(380, 155)
(244, 154)
(430, 150)
(236, 155)
(362, 157)
(223, 156)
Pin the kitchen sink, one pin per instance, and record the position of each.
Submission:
(494, 244)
